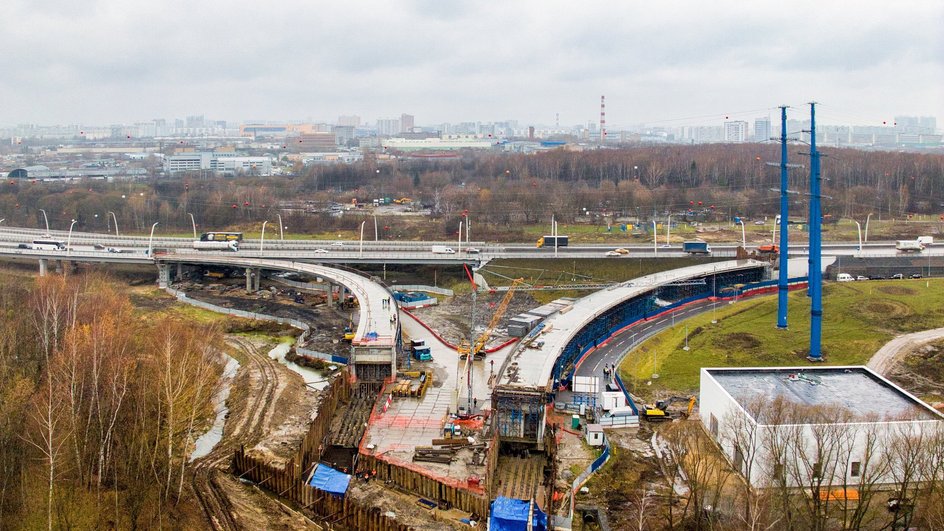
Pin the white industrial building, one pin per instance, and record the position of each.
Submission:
(822, 427)
(223, 162)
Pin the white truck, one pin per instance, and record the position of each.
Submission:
(926, 240)
(907, 246)
(442, 249)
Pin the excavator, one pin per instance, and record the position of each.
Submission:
(659, 412)
(478, 347)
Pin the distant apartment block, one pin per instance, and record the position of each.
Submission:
(762, 129)
(313, 142)
(222, 162)
(349, 121)
(735, 131)
(275, 129)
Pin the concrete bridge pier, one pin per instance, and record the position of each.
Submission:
(59, 267)
(163, 274)
(180, 271)
(43, 267)
(253, 276)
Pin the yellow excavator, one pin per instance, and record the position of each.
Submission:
(659, 412)
(477, 349)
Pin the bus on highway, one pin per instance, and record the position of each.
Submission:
(219, 241)
(48, 245)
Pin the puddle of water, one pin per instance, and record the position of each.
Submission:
(314, 379)
(206, 442)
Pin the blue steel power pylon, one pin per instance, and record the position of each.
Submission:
(815, 253)
(782, 284)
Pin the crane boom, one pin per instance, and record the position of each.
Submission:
(478, 346)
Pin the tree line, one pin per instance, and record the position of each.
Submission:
(99, 407)
(499, 191)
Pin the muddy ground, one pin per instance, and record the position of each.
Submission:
(327, 323)
(451, 317)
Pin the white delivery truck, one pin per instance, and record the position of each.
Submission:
(906, 246)
(926, 240)
(442, 249)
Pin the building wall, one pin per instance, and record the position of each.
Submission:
(722, 417)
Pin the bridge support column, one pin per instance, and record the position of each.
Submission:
(43, 267)
(249, 283)
(180, 271)
(163, 275)
(59, 267)
(258, 279)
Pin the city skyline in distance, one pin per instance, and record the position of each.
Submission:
(111, 62)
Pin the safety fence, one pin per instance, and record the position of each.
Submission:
(337, 512)
(589, 471)
(420, 287)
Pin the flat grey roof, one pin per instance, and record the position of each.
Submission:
(860, 390)
(532, 368)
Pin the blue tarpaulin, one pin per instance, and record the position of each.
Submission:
(509, 514)
(330, 480)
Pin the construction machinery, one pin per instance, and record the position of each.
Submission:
(659, 412)
(478, 347)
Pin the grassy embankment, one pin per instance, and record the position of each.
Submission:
(858, 318)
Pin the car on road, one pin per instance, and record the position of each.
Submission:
(112, 250)
(621, 251)
(472, 250)
(24, 246)
(98, 247)
(876, 277)
(611, 253)
(337, 244)
(862, 277)
(916, 275)
(897, 276)
(321, 251)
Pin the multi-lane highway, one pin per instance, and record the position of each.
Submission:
(407, 251)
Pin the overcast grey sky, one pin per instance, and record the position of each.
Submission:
(109, 61)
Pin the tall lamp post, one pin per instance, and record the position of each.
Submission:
(193, 222)
(867, 227)
(743, 234)
(459, 244)
(859, 228)
(360, 251)
(668, 230)
(376, 234)
(45, 219)
(69, 238)
(262, 237)
(281, 234)
(655, 238)
(116, 223)
(151, 241)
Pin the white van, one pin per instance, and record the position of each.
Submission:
(844, 277)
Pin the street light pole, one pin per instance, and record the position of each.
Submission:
(859, 228)
(655, 238)
(459, 248)
(262, 237)
(192, 222)
(281, 234)
(376, 237)
(668, 229)
(116, 223)
(45, 219)
(69, 239)
(151, 240)
(743, 234)
(867, 227)
(360, 252)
